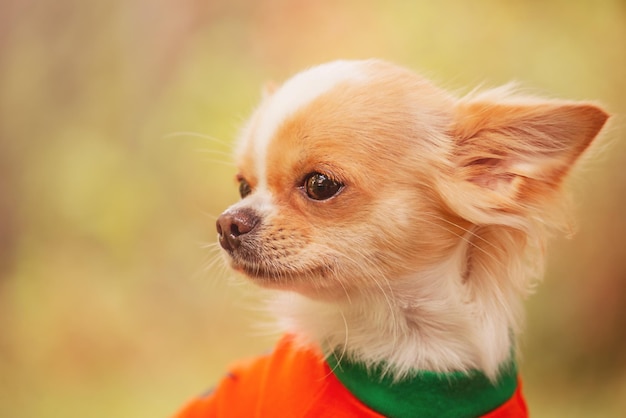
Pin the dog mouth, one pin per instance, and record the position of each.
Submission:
(260, 271)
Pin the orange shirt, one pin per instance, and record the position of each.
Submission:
(294, 382)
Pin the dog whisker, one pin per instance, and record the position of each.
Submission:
(216, 152)
(225, 163)
(374, 274)
(344, 347)
(191, 134)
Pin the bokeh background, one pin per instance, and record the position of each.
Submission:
(116, 125)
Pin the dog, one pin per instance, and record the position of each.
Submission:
(401, 227)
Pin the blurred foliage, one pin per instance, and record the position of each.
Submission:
(116, 123)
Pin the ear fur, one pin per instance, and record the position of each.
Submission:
(520, 147)
(509, 158)
(268, 89)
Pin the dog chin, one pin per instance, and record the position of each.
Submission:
(315, 282)
(261, 274)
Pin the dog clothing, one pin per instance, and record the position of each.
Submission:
(293, 382)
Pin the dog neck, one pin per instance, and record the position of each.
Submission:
(425, 394)
(432, 321)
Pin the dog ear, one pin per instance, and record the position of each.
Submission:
(268, 89)
(516, 147)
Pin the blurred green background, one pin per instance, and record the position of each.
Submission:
(116, 124)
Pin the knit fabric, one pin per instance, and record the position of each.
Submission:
(293, 382)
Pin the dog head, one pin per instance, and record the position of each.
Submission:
(355, 172)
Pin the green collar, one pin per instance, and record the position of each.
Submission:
(426, 394)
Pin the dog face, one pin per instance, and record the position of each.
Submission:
(355, 172)
(334, 182)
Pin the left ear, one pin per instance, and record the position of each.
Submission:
(502, 147)
(268, 89)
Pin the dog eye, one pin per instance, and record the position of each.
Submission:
(244, 188)
(321, 187)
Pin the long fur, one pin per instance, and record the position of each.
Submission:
(423, 260)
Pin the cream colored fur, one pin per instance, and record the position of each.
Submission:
(423, 259)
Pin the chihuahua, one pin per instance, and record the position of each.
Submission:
(401, 227)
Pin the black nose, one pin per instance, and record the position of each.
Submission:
(233, 225)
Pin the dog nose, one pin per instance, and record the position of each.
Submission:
(233, 225)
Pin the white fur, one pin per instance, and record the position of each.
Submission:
(422, 322)
(261, 201)
(295, 94)
(464, 310)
